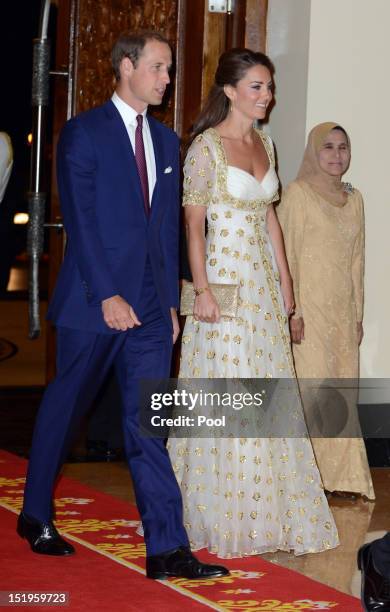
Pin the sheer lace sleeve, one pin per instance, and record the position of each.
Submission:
(199, 173)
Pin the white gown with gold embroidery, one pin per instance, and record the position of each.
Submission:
(248, 495)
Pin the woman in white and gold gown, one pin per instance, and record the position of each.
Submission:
(242, 496)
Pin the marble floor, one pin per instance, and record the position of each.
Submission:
(27, 368)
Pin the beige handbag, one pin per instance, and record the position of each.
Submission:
(226, 296)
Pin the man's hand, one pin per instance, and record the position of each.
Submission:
(175, 324)
(297, 328)
(118, 314)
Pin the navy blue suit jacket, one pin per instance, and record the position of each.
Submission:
(108, 234)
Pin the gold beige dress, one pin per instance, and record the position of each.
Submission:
(325, 250)
(244, 496)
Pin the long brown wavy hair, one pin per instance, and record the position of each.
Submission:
(232, 67)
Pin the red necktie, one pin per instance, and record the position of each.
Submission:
(141, 163)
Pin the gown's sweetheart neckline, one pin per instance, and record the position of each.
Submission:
(258, 132)
(251, 175)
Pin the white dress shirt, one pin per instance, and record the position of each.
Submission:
(129, 117)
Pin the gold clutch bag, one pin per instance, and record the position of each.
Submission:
(226, 296)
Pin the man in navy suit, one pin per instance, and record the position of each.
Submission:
(116, 298)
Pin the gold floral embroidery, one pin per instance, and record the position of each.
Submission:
(274, 296)
(226, 197)
(195, 198)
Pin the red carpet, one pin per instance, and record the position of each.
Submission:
(106, 574)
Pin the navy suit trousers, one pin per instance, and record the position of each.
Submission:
(83, 360)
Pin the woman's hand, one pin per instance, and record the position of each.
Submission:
(288, 295)
(206, 308)
(360, 333)
(297, 329)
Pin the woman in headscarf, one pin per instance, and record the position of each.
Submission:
(323, 225)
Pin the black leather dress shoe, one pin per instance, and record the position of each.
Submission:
(43, 537)
(375, 588)
(181, 563)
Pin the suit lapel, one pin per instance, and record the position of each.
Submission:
(159, 158)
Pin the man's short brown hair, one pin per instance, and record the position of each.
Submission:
(131, 45)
